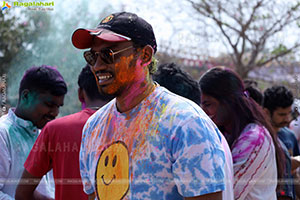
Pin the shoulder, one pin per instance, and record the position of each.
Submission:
(165, 95)
(254, 133)
(287, 134)
(69, 120)
(288, 131)
(252, 139)
(107, 108)
(182, 116)
(99, 116)
(183, 113)
(5, 123)
(177, 105)
(285, 131)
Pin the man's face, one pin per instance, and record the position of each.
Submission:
(214, 109)
(42, 107)
(281, 117)
(122, 74)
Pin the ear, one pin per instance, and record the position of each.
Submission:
(146, 56)
(25, 95)
(81, 95)
(267, 112)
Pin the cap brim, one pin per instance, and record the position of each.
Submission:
(83, 38)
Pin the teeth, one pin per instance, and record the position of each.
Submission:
(104, 77)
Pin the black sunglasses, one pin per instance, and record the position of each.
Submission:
(107, 55)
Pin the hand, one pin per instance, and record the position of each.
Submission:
(39, 196)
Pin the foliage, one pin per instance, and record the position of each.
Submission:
(50, 44)
(15, 34)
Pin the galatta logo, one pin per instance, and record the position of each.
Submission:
(5, 6)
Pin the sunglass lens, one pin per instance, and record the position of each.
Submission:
(90, 57)
(107, 56)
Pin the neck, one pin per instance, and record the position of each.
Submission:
(228, 128)
(134, 95)
(95, 105)
(276, 129)
(20, 113)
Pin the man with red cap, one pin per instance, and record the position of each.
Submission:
(147, 143)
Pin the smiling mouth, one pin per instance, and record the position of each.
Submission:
(103, 77)
(109, 181)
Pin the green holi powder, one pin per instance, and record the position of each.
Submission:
(32, 99)
(164, 108)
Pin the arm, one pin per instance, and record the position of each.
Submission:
(26, 186)
(5, 164)
(40, 196)
(92, 196)
(253, 160)
(192, 144)
(83, 165)
(215, 196)
(37, 164)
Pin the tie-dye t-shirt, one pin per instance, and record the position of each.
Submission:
(164, 148)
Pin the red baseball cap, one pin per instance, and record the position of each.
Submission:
(117, 27)
(83, 38)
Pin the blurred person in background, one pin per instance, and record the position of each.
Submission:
(41, 94)
(295, 123)
(253, 91)
(277, 104)
(242, 121)
(62, 137)
(170, 76)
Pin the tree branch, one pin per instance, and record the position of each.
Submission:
(259, 64)
(281, 22)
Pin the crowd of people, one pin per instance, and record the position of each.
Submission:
(147, 131)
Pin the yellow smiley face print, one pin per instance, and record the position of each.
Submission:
(112, 173)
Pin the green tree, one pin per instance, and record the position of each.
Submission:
(51, 44)
(15, 34)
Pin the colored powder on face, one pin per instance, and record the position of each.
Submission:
(32, 100)
(122, 75)
(131, 77)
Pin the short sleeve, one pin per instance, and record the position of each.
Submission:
(5, 162)
(83, 163)
(199, 158)
(38, 162)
